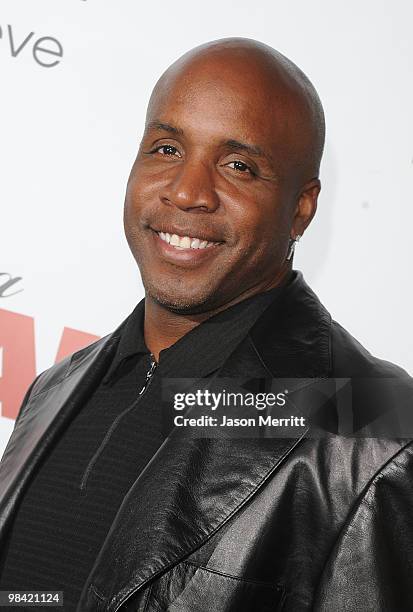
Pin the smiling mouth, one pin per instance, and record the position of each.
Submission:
(186, 242)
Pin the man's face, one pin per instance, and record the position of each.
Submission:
(211, 167)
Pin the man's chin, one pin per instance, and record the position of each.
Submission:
(181, 306)
(181, 303)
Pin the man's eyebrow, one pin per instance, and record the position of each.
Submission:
(165, 127)
(248, 148)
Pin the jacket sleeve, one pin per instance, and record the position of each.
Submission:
(370, 569)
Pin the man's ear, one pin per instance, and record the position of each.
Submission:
(306, 207)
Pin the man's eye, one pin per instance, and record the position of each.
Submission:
(167, 150)
(240, 166)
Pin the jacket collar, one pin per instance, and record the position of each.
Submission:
(150, 534)
(292, 337)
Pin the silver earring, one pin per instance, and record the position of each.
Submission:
(292, 246)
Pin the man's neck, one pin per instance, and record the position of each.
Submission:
(163, 327)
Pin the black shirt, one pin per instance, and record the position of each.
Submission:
(71, 502)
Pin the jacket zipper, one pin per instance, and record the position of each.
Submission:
(149, 375)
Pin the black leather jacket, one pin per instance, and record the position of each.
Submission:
(305, 522)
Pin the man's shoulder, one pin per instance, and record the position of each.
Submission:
(56, 373)
(380, 393)
(298, 335)
(349, 358)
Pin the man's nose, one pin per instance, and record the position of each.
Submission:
(191, 188)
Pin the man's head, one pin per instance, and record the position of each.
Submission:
(231, 152)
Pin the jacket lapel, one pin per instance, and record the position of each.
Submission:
(193, 486)
(45, 416)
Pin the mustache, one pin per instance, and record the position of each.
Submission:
(183, 226)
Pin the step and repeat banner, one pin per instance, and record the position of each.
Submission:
(76, 76)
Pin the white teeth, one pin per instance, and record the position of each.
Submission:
(174, 240)
(185, 242)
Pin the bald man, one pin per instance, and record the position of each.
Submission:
(119, 500)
